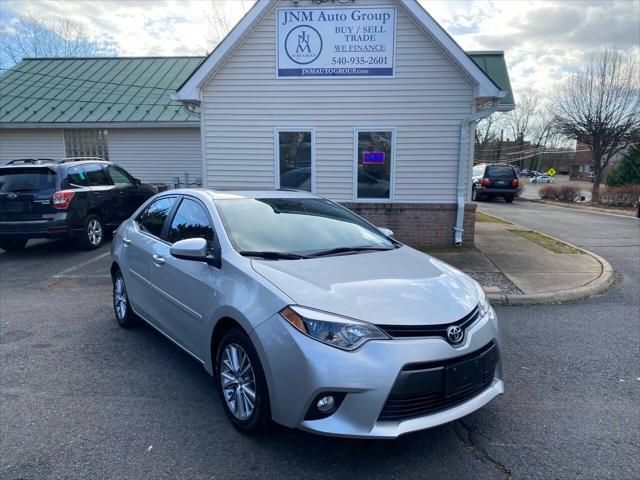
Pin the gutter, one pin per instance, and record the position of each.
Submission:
(462, 190)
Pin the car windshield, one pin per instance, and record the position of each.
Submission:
(302, 226)
(27, 179)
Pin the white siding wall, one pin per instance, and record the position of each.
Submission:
(157, 155)
(425, 102)
(30, 143)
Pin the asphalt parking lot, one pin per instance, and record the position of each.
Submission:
(82, 398)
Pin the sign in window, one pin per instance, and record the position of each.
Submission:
(374, 164)
(295, 159)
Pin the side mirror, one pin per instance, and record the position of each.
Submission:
(194, 249)
(386, 231)
(137, 181)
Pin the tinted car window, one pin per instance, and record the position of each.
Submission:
(119, 176)
(190, 221)
(76, 177)
(96, 175)
(152, 218)
(27, 179)
(500, 171)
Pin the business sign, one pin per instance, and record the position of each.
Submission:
(369, 158)
(336, 42)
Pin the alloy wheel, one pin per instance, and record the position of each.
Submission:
(94, 231)
(238, 381)
(120, 298)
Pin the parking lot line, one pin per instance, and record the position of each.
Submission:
(80, 265)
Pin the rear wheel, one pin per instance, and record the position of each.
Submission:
(93, 233)
(474, 194)
(242, 383)
(124, 315)
(13, 245)
(508, 198)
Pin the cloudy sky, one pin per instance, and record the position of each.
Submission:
(543, 40)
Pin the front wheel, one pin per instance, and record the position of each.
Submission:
(13, 245)
(242, 383)
(92, 234)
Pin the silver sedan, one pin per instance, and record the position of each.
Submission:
(306, 314)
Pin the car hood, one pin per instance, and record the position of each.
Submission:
(396, 287)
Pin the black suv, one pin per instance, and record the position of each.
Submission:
(490, 181)
(73, 198)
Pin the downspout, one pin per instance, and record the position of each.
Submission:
(462, 188)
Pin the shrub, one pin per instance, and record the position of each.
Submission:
(567, 192)
(549, 192)
(624, 196)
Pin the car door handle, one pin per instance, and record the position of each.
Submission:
(158, 260)
(126, 242)
(97, 194)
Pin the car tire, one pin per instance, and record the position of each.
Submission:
(235, 383)
(121, 306)
(13, 245)
(508, 198)
(474, 194)
(93, 233)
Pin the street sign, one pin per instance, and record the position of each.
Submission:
(551, 171)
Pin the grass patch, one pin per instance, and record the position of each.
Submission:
(546, 242)
(483, 217)
(434, 250)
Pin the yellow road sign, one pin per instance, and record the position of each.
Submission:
(551, 171)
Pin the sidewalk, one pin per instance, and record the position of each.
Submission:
(514, 267)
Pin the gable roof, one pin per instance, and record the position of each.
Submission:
(189, 91)
(95, 91)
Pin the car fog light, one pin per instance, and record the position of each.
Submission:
(326, 404)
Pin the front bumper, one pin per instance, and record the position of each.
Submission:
(299, 368)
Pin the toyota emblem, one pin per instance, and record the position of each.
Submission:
(455, 334)
(12, 196)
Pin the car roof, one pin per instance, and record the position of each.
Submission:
(51, 162)
(241, 194)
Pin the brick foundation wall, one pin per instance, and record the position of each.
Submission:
(419, 224)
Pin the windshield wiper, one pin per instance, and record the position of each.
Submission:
(272, 255)
(334, 251)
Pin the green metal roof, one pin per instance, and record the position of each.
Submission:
(494, 65)
(95, 90)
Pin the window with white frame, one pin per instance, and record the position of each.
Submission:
(374, 163)
(295, 162)
(86, 143)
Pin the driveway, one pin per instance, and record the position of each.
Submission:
(82, 398)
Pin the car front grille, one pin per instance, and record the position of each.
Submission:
(423, 389)
(403, 331)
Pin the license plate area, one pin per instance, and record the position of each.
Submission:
(464, 376)
(16, 206)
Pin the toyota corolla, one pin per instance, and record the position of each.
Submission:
(306, 314)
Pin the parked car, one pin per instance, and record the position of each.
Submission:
(306, 314)
(542, 179)
(490, 181)
(71, 198)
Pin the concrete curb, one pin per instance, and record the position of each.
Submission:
(598, 285)
(583, 208)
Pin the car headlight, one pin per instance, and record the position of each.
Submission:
(339, 332)
(483, 304)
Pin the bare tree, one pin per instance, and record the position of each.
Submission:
(599, 106)
(221, 16)
(33, 36)
(520, 120)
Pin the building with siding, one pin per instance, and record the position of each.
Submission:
(115, 108)
(369, 103)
